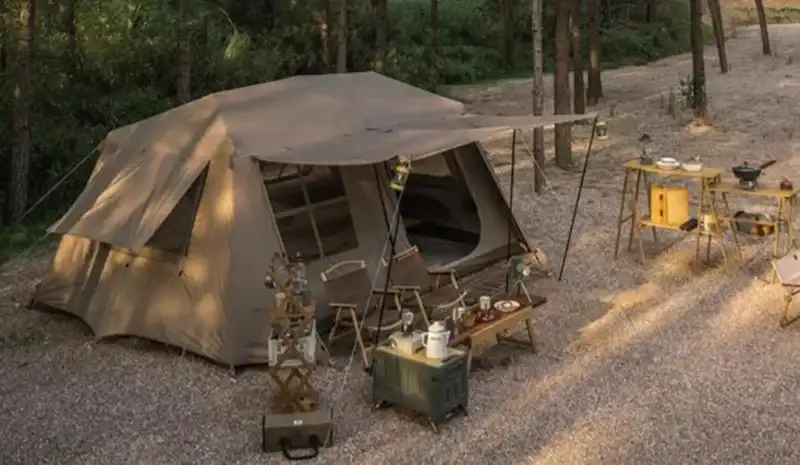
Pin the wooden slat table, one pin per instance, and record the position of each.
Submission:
(782, 224)
(491, 333)
(630, 199)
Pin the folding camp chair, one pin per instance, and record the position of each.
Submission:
(350, 292)
(414, 281)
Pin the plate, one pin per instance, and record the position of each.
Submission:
(506, 306)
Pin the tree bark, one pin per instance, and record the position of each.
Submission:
(578, 84)
(538, 94)
(595, 90)
(183, 88)
(762, 24)
(563, 106)
(719, 34)
(508, 10)
(341, 38)
(698, 63)
(381, 35)
(66, 20)
(21, 132)
(323, 19)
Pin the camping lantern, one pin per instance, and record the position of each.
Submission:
(401, 171)
(518, 269)
(602, 130)
(300, 280)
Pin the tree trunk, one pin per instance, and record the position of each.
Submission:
(698, 63)
(563, 106)
(762, 23)
(433, 55)
(509, 12)
(341, 38)
(719, 34)
(183, 88)
(66, 20)
(578, 84)
(381, 35)
(323, 19)
(595, 91)
(21, 131)
(538, 94)
(3, 54)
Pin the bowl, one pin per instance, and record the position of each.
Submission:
(668, 164)
(692, 166)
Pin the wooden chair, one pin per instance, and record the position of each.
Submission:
(414, 281)
(350, 292)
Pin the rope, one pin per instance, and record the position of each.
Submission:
(55, 186)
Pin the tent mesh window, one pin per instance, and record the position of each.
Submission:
(174, 233)
(311, 209)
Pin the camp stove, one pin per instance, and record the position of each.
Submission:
(750, 185)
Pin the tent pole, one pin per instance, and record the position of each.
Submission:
(511, 199)
(392, 250)
(380, 196)
(578, 199)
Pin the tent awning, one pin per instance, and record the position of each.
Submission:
(414, 139)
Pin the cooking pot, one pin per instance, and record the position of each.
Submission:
(747, 172)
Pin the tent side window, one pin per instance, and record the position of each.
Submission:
(311, 209)
(175, 232)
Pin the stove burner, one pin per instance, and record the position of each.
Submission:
(749, 185)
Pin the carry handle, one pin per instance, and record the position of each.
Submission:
(313, 442)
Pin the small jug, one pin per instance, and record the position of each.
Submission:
(435, 341)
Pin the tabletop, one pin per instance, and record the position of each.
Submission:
(705, 173)
(727, 187)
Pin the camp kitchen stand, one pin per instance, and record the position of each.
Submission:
(655, 220)
(781, 224)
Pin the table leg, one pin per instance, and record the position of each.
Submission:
(531, 335)
(718, 232)
(789, 223)
(634, 210)
(776, 243)
(732, 226)
(620, 221)
(700, 211)
(649, 202)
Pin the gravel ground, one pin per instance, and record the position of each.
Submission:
(649, 364)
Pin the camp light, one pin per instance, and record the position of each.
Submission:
(518, 269)
(300, 280)
(401, 171)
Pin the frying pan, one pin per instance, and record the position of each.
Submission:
(747, 172)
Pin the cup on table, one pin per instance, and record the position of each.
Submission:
(485, 303)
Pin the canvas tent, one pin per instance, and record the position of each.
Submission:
(172, 235)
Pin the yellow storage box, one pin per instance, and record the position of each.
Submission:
(669, 205)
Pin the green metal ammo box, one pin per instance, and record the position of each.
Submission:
(436, 389)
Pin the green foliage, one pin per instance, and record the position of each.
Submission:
(124, 68)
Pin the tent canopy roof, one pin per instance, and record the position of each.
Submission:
(350, 119)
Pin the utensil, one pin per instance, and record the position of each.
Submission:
(435, 341)
(668, 163)
(506, 306)
(693, 166)
(749, 173)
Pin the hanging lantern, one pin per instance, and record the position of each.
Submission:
(518, 269)
(401, 171)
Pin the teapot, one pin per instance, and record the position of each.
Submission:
(435, 341)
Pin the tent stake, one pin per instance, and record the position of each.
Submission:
(577, 199)
(511, 199)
